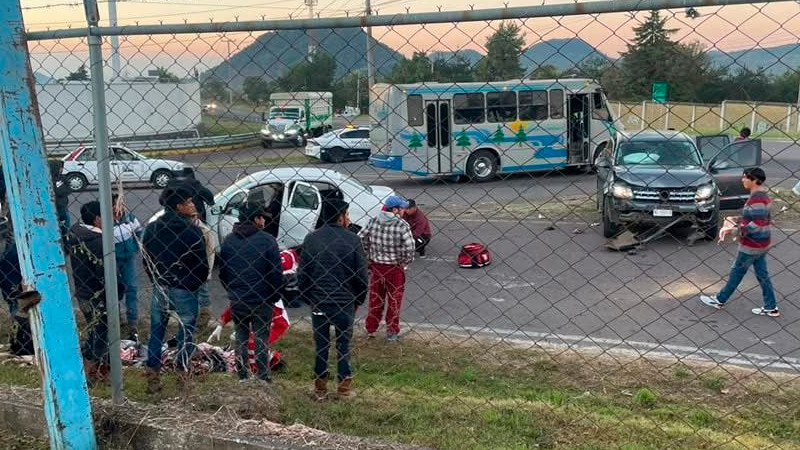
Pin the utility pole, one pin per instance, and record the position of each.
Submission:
(229, 71)
(112, 21)
(312, 45)
(370, 56)
(358, 91)
(46, 298)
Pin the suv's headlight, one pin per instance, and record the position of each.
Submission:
(704, 192)
(622, 191)
(291, 131)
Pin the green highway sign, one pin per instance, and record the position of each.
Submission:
(660, 92)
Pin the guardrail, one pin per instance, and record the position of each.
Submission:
(63, 148)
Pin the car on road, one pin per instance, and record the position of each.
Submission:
(80, 167)
(663, 177)
(294, 195)
(339, 145)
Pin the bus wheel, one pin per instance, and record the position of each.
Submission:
(482, 166)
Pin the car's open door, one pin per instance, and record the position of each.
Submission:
(710, 146)
(299, 215)
(726, 167)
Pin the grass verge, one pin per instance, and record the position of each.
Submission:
(449, 392)
(215, 126)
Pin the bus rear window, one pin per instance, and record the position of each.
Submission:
(556, 104)
(468, 109)
(533, 105)
(415, 110)
(501, 106)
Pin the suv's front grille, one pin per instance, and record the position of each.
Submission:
(664, 195)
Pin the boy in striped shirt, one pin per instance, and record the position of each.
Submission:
(755, 240)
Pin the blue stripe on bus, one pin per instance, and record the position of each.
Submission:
(532, 167)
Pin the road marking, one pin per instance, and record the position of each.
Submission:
(496, 299)
(635, 348)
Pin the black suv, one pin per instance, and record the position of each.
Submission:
(658, 177)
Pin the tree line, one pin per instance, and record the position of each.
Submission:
(652, 56)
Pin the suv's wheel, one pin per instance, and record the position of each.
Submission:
(76, 182)
(266, 144)
(482, 166)
(336, 155)
(161, 178)
(712, 228)
(610, 227)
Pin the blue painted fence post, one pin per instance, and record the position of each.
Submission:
(38, 239)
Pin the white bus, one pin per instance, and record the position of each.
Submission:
(481, 129)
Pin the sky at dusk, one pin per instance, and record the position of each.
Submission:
(726, 28)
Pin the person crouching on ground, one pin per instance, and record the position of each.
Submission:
(420, 227)
(250, 271)
(754, 243)
(389, 246)
(333, 279)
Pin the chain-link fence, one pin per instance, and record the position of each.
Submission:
(584, 204)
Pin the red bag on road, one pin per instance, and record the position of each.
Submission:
(474, 254)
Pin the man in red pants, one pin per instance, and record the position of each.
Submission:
(389, 246)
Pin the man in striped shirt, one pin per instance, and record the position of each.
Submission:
(755, 240)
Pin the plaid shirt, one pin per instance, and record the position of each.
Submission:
(387, 239)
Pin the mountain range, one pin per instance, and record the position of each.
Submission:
(274, 53)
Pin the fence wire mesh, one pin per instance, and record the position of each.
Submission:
(598, 159)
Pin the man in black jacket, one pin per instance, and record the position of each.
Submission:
(250, 270)
(175, 258)
(202, 195)
(333, 280)
(21, 341)
(85, 244)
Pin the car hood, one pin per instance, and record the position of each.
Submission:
(282, 123)
(382, 192)
(661, 177)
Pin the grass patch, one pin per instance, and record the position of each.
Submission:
(215, 126)
(681, 371)
(444, 392)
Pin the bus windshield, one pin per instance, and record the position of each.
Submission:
(658, 153)
(289, 113)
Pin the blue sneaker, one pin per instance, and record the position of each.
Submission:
(393, 338)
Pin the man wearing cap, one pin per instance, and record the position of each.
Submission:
(755, 239)
(250, 271)
(175, 258)
(420, 227)
(333, 279)
(389, 246)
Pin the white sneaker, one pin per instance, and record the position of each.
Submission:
(766, 312)
(711, 300)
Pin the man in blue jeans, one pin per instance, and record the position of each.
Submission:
(754, 230)
(175, 258)
(127, 231)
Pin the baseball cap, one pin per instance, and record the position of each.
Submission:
(393, 201)
(756, 173)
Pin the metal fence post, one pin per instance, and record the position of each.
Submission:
(644, 114)
(722, 117)
(104, 188)
(753, 117)
(38, 239)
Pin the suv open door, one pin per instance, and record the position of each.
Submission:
(726, 167)
(710, 146)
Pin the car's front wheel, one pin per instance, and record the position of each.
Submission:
(610, 227)
(336, 155)
(76, 182)
(161, 178)
(711, 229)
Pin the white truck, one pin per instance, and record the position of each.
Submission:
(295, 116)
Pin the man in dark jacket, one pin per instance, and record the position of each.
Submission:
(85, 244)
(11, 286)
(250, 270)
(333, 280)
(202, 195)
(62, 192)
(175, 258)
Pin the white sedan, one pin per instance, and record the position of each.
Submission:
(339, 145)
(295, 194)
(80, 167)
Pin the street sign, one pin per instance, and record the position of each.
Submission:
(660, 92)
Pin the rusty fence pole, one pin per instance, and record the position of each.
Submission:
(46, 297)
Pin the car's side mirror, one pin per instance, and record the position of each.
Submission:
(216, 210)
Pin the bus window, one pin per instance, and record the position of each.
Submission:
(414, 110)
(533, 105)
(501, 106)
(599, 110)
(468, 109)
(556, 104)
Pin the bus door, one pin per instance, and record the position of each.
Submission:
(578, 119)
(439, 136)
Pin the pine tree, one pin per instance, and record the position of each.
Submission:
(498, 136)
(416, 141)
(521, 137)
(463, 139)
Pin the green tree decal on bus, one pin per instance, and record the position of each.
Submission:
(498, 136)
(416, 141)
(463, 139)
(521, 137)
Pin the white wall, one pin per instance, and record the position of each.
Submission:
(133, 108)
